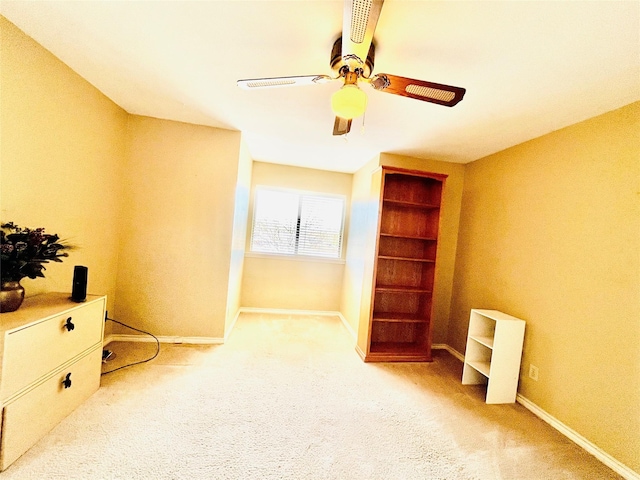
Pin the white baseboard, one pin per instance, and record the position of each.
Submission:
(287, 311)
(284, 311)
(348, 327)
(451, 350)
(233, 324)
(163, 339)
(574, 436)
(115, 337)
(571, 434)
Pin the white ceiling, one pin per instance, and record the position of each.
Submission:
(529, 68)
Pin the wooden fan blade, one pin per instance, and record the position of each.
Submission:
(419, 89)
(359, 22)
(277, 82)
(341, 126)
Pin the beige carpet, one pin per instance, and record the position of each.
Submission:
(288, 398)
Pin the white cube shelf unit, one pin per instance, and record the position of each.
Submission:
(493, 354)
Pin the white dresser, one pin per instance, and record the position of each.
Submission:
(50, 359)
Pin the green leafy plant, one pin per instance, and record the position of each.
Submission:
(24, 251)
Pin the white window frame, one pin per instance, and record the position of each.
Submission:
(296, 254)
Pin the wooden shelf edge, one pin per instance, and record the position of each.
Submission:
(399, 349)
(404, 203)
(399, 316)
(408, 237)
(395, 357)
(397, 319)
(406, 259)
(401, 289)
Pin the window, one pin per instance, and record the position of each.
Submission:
(294, 223)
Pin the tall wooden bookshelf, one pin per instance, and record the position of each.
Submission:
(409, 217)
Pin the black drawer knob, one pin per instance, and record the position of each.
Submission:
(67, 381)
(69, 325)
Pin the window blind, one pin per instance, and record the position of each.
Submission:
(291, 223)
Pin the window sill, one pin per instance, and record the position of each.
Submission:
(295, 258)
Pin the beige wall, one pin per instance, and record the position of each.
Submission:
(550, 233)
(62, 147)
(360, 249)
(356, 295)
(240, 219)
(175, 247)
(292, 283)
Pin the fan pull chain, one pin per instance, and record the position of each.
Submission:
(362, 129)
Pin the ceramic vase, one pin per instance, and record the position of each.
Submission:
(11, 296)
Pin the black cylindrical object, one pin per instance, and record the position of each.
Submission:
(80, 277)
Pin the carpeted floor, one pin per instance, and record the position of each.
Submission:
(287, 397)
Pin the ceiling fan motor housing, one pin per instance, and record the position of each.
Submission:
(337, 62)
(352, 62)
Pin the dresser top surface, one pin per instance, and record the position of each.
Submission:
(40, 307)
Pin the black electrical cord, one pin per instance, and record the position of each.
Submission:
(141, 361)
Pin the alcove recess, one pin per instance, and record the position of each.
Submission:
(405, 261)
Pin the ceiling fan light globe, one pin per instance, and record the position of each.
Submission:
(349, 102)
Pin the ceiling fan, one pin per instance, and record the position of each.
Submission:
(352, 60)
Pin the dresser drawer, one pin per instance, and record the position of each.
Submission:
(35, 350)
(32, 415)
